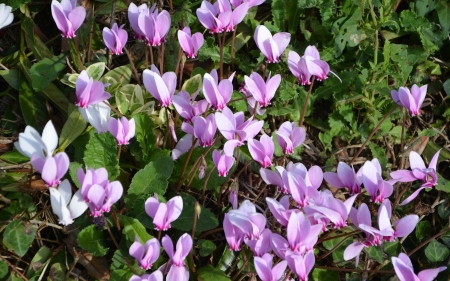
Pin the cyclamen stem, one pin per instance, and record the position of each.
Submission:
(159, 235)
(372, 133)
(151, 54)
(399, 196)
(118, 153)
(146, 57)
(402, 158)
(74, 46)
(179, 182)
(305, 106)
(265, 70)
(110, 233)
(136, 75)
(332, 250)
(194, 227)
(221, 56)
(232, 48)
(113, 108)
(205, 184)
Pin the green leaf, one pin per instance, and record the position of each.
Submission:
(436, 252)
(443, 11)
(96, 70)
(319, 274)
(338, 253)
(18, 236)
(47, 70)
(145, 136)
(56, 272)
(92, 240)
(73, 127)
(121, 74)
(14, 157)
(33, 109)
(442, 184)
(446, 86)
(193, 84)
(14, 4)
(185, 222)
(392, 248)
(209, 50)
(39, 49)
(121, 275)
(279, 13)
(444, 209)
(73, 168)
(101, 151)
(3, 269)
(376, 253)
(152, 179)
(422, 230)
(206, 247)
(132, 228)
(209, 273)
(12, 77)
(38, 261)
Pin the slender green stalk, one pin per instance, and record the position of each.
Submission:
(110, 233)
(133, 67)
(179, 182)
(305, 106)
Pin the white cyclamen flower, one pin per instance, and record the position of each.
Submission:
(31, 143)
(98, 116)
(60, 198)
(6, 16)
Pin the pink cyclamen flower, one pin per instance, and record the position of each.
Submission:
(68, 17)
(251, 223)
(234, 235)
(308, 65)
(89, 92)
(183, 146)
(301, 264)
(187, 107)
(262, 150)
(52, 168)
(98, 115)
(98, 191)
(411, 100)
(163, 213)
(263, 92)
(265, 269)
(219, 17)
(234, 127)
(405, 271)
(251, 3)
(66, 207)
(148, 24)
(155, 276)
(378, 189)
(160, 87)
(418, 172)
(403, 226)
(115, 38)
(190, 43)
(133, 15)
(345, 177)
(146, 254)
(290, 136)
(204, 129)
(217, 94)
(280, 209)
(222, 162)
(122, 129)
(178, 269)
(271, 47)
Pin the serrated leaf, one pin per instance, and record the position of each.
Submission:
(209, 273)
(46, 70)
(101, 151)
(209, 50)
(73, 127)
(96, 70)
(132, 228)
(92, 240)
(185, 222)
(145, 136)
(18, 236)
(152, 179)
(279, 14)
(436, 252)
(319, 274)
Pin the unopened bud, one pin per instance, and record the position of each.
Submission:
(172, 128)
(202, 168)
(198, 209)
(233, 197)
